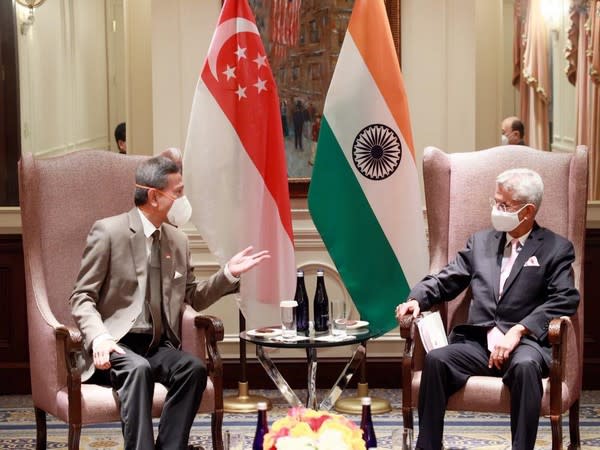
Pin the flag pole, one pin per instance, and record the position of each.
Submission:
(243, 402)
(353, 405)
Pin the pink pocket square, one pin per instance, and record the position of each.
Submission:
(532, 262)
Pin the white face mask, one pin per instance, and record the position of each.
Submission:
(504, 139)
(506, 221)
(180, 212)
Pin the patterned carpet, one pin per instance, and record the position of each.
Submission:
(462, 430)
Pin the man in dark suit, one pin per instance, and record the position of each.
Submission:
(136, 277)
(521, 278)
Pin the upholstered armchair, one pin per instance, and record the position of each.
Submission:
(457, 188)
(61, 197)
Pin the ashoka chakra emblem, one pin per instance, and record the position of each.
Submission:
(377, 151)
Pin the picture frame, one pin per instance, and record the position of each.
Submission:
(302, 39)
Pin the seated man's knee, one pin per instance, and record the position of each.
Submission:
(140, 367)
(193, 365)
(525, 369)
(436, 357)
(198, 367)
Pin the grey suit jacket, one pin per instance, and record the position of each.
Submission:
(110, 289)
(533, 294)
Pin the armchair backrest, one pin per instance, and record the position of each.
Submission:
(61, 198)
(457, 191)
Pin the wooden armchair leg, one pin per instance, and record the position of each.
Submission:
(74, 435)
(216, 429)
(575, 443)
(40, 425)
(556, 424)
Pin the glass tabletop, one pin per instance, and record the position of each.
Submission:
(316, 341)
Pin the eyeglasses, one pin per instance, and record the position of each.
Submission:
(504, 207)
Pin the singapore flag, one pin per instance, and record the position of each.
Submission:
(234, 163)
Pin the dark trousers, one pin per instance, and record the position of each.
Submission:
(133, 375)
(298, 135)
(446, 371)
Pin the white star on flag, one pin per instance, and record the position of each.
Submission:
(260, 85)
(241, 92)
(240, 52)
(229, 72)
(261, 60)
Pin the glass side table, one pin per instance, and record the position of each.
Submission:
(310, 345)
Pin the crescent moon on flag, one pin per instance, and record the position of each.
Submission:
(223, 32)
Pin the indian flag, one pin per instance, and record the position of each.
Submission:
(364, 194)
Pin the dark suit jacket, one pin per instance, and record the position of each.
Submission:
(533, 294)
(110, 289)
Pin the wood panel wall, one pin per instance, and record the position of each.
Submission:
(14, 354)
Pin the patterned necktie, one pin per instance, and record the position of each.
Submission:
(155, 287)
(515, 248)
(494, 335)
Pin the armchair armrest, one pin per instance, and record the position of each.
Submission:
(407, 327)
(557, 335)
(214, 332)
(72, 346)
(407, 332)
(199, 336)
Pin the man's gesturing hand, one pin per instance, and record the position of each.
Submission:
(244, 261)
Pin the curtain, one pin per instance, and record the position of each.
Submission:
(593, 55)
(534, 82)
(583, 56)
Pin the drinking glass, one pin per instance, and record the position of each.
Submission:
(337, 309)
(233, 440)
(288, 318)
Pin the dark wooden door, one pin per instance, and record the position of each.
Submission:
(14, 358)
(591, 313)
(9, 107)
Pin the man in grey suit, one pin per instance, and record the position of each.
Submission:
(521, 278)
(135, 278)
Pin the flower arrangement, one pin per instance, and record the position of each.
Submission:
(317, 430)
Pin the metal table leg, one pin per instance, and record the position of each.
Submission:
(277, 378)
(344, 378)
(311, 398)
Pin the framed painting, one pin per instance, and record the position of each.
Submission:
(303, 39)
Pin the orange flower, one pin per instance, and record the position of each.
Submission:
(309, 429)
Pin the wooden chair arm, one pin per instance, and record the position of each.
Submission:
(407, 332)
(407, 324)
(214, 332)
(72, 342)
(557, 336)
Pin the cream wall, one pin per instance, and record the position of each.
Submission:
(564, 117)
(63, 78)
(452, 66)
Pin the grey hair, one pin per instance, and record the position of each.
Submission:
(525, 185)
(152, 173)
